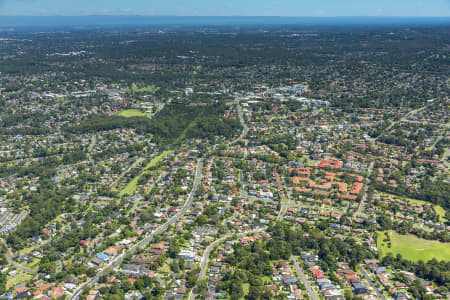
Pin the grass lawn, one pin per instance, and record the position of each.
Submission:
(413, 248)
(59, 219)
(33, 265)
(131, 187)
(165, 268)
(26, 250)
(156, 160)
(245, 288)
(128, 113)
(18, 279)
(441, 213)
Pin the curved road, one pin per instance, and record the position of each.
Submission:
(204, 262)
(207, 253)
(13, 263)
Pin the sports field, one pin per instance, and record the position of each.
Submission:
(413, 248)
(128, 113)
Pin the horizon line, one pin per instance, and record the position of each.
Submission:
(220, 16)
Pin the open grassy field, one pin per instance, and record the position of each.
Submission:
(165, 268)
(156, 160)
(128, 113)
(245, 288)
(26, 251)
(441, 213)
(131, 187)
(19, 278)
(413, 248)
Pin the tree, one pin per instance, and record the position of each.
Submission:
(139, 284)
(255, 293)
(126, 286)
(3, 280)
(385, 222)
(203, 287)
(236, 290)
(174, 249)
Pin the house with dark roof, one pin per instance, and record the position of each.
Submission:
(400, 295)
(23, 295)
(378, 270)
(334, 226)
(359, 288)
(289, 280)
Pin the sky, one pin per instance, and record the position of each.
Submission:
(313, 8)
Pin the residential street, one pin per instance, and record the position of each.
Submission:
(223, 158)
(311, 293)
(118, 260)
(402, 119)
(205, 257)
(362, 204)
(367, 277)
(12, 262)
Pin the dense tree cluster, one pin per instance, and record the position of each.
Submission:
(433, 270)
(253, 262)
(437, 191)
(174, 122)
(43, 206)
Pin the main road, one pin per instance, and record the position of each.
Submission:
(241, 119)
(115, 262)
